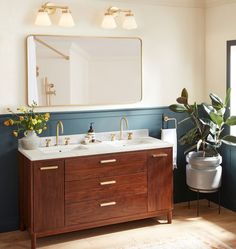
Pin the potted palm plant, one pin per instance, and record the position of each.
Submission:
(203, 170)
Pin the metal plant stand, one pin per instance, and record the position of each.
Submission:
(198, 191)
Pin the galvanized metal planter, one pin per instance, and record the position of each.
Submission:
(203, 173)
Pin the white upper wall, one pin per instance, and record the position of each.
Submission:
(220, 27)
(173, 46)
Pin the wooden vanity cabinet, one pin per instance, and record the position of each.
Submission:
(69, 194)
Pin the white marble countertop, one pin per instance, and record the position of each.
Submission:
(141, 141)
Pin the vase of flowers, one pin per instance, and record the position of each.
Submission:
(28, 123)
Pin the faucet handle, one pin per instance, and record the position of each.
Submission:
(67, 140)
(48, 141)
(113, 136)
(130, 135)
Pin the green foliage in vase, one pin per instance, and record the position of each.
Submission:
(27, 120)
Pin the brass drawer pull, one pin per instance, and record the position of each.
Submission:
(107, 183)
(160, 155)
(112, 203)
(49, 168)
(108, 161)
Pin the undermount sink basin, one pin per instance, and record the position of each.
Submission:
(134, 142)
(61, 148)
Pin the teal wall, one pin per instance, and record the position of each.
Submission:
(228, 192)
(74, 123)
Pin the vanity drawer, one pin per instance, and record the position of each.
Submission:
(100, 188)
(95, 210)
(104, 165)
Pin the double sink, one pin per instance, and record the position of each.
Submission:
(140, 141)
(134, 143)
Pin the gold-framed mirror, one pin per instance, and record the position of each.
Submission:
(77, 70)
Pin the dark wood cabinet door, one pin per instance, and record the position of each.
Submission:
(48, 195)
(160, 180)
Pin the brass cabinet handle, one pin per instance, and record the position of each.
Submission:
(159, 155)
(105, 204)
(108, 161)
(107, 183)
(49, 168)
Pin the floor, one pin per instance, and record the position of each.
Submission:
(220, 228)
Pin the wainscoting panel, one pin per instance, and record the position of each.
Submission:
(228, 192)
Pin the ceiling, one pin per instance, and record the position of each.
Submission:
(182, 3)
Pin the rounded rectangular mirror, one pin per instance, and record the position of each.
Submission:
(67, 70)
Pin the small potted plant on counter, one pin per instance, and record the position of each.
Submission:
(203, 171)
(28, 123)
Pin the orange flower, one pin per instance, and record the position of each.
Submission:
(21, 118)
(8, 122)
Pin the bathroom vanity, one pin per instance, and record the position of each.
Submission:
(94, 186)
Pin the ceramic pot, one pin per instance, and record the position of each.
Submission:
(203, 174)
(30, 141)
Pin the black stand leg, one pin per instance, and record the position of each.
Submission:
(189, 202)
(198, 203)
(209, 202)
(219, 204)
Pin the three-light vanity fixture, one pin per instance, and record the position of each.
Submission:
(47, 9)
(112, 12)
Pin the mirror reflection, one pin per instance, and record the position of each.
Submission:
(65, 70)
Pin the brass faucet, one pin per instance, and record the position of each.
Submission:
(59, 125)
(123, 119)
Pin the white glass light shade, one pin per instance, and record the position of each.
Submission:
(129, 22)
(66, 19)
(42, 18)
(108, 22)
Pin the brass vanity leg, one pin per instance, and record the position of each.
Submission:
(169, 217)
(33, 241)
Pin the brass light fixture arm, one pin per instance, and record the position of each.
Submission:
(51, 8)
(115, 10)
